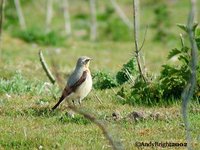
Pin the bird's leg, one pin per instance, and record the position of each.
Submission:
(73, 103)
(79, 101)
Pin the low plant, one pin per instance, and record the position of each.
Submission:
(18, 84)
(129, 70)
(175, 77)
(104, 80)
(169, 85)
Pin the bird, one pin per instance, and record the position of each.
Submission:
(79, 83)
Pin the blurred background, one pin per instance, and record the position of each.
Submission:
(66, 29)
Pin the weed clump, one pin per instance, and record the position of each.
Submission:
(36, 35)
(18, 84)
(104, 80)
(169, 85)
(128, 70)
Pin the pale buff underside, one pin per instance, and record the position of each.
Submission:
(83, 90)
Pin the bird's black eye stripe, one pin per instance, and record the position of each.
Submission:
(87, 60)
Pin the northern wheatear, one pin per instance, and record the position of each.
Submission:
(79, 83)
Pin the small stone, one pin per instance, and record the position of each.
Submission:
(182, 124)
(8, 96)
(40, 147)
(47, 86)
(58, 50)
(70, 114)
(116, 115)
(136, 116)
(155, 116)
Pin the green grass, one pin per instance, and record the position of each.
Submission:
(26, 98)
(27, 122)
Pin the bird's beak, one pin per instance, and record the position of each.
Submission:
(89, 59)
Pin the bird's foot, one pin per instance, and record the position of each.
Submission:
(79, 102)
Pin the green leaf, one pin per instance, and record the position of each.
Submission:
(198, 42)
(185, 49)
(173, 53)
(197, 33)
(195, 25)
(184, 59)
(183, 27)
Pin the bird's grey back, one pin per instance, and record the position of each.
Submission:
(75, 76)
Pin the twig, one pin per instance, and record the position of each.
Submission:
(144, 39)
(45, 67)
(100, 101)
(189, 89)
(136, 36)
(93, 25)
(121, 14)
(114, 91)
(20, 14)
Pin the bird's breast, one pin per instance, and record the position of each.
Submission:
(85, 87)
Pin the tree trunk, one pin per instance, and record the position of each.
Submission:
(1, 22)
(49, 15)
(93, 25)
(121, 14)
(67, 17)
(20, 15)
(1, 16)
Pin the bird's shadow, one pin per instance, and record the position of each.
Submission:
(60, 116)
(44, 111)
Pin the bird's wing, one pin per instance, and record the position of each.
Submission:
(69, 89)
(75, 76)
(79, 82)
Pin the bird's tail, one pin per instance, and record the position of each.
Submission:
(57, 104)
(65, 93)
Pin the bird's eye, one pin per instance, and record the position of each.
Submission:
(86, 61)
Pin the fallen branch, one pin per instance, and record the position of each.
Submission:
(189, 89)
(45, 67)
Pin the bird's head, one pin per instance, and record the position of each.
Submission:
(83, 61)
